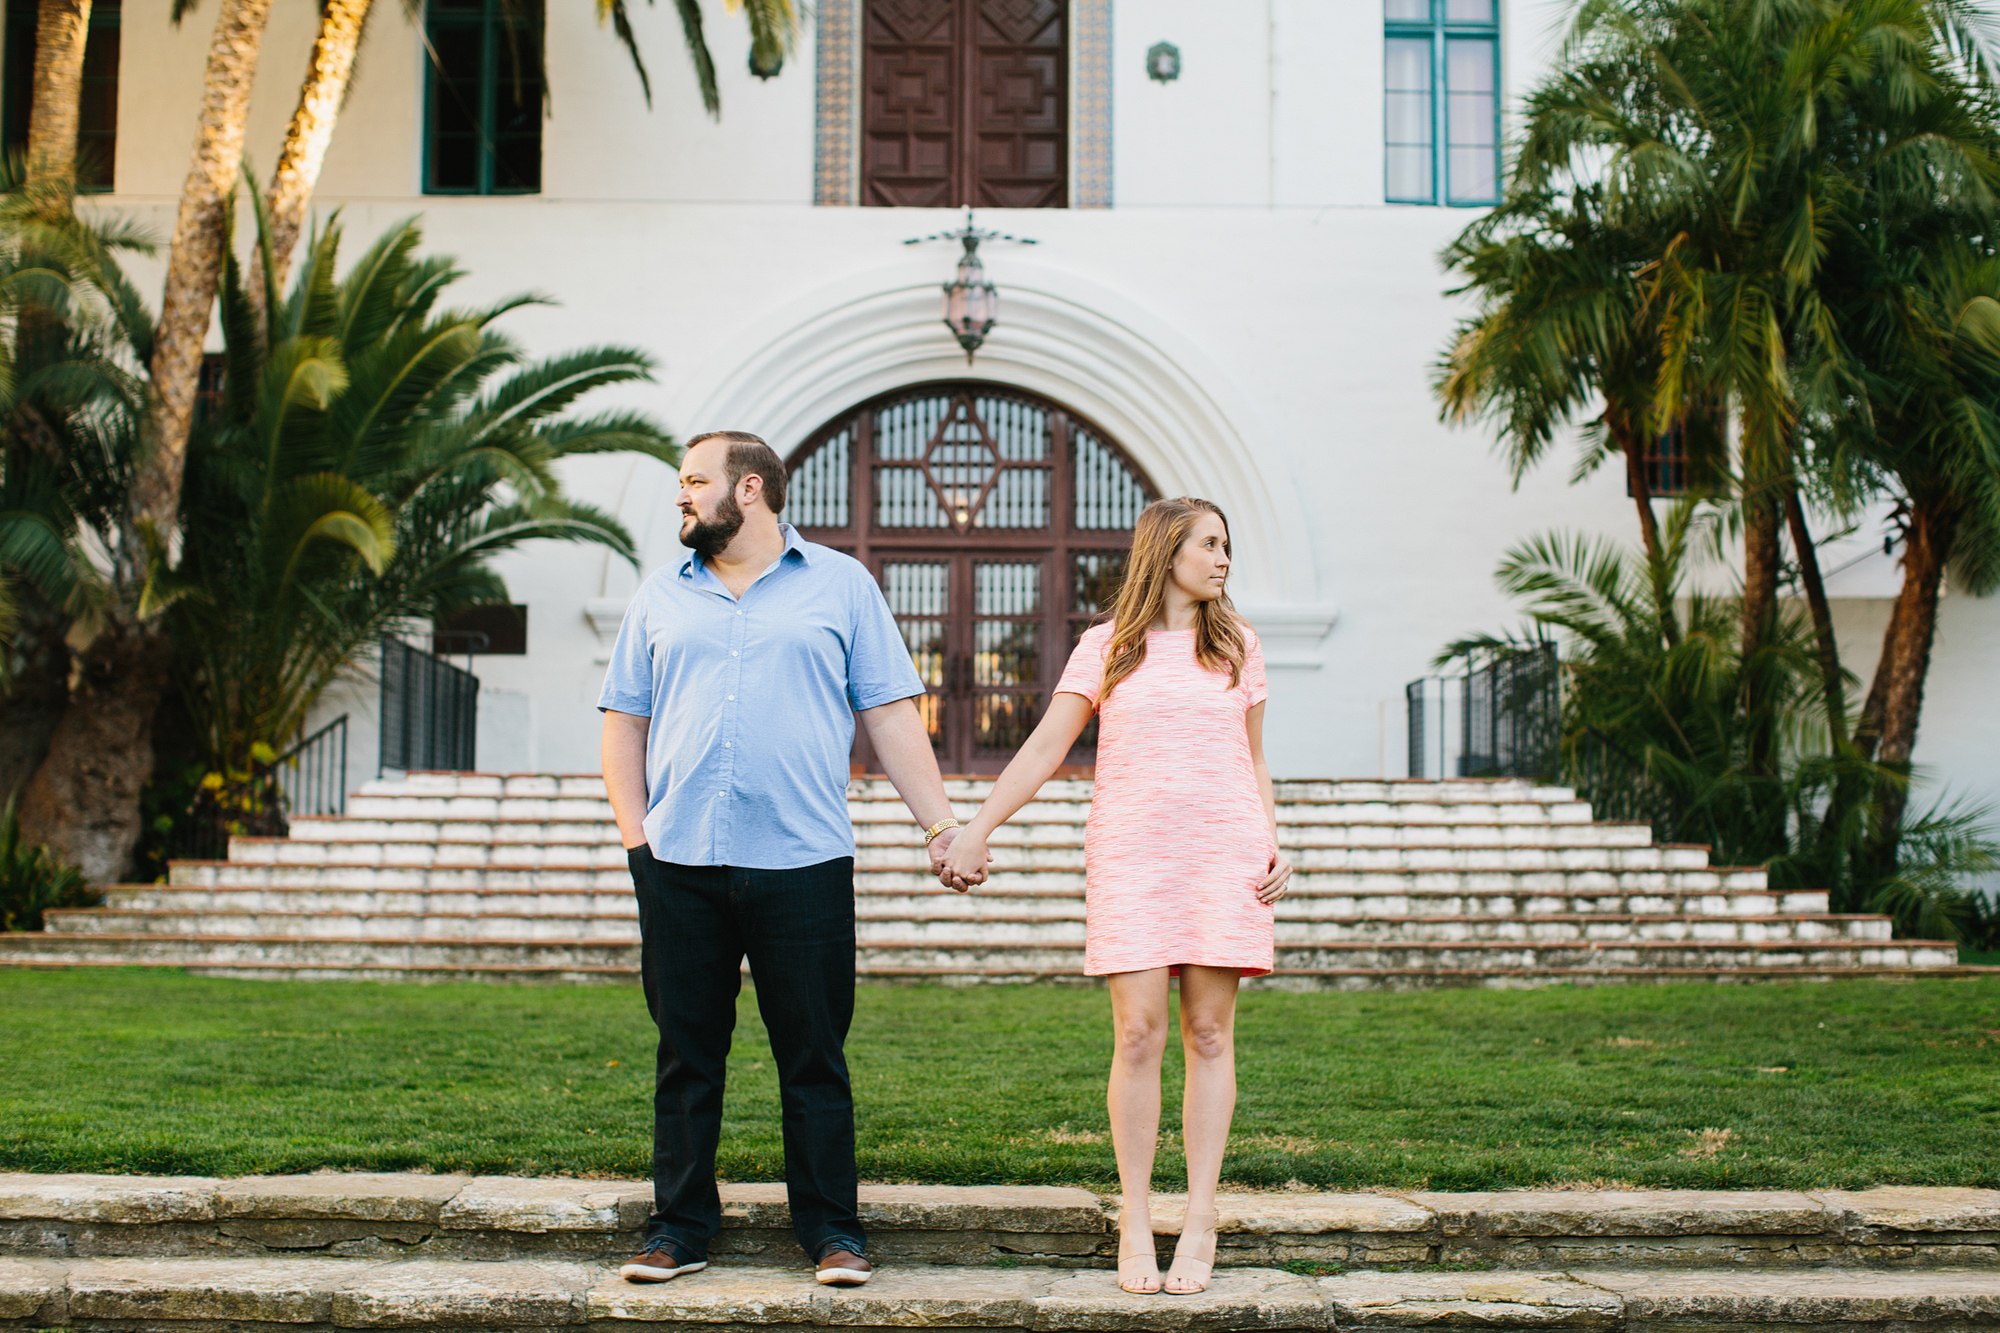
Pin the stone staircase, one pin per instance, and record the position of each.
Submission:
(1399, 884)
(161, 1254)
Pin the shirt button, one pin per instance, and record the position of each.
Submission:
(726, 744)
(732, 652)
(732, 698)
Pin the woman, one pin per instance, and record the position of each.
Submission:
(1181, 852)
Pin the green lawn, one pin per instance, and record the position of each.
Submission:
(1816, 1085)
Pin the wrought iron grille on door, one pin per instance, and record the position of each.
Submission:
(997, 523)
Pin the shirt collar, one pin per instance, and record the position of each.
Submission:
(794, 545)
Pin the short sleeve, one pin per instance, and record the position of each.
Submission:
(1084, 672)
(628, 681)
(879, 669)
(1255, 689)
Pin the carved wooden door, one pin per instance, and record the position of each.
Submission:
(966, 103)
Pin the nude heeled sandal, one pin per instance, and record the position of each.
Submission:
(1192, 1284)
(1148, 1284)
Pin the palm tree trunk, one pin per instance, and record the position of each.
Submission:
(1822, 617)
(1761, 560)
(306, 139)
(37, 690)
(84, 799)
(1632, 445)
(61, 28)
(194, 268)
(1906, 660)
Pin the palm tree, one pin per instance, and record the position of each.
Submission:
(1565, 325)
(72, 398)
(1926, 321)
(1657, 731)
(1740, 137)
(370, 455)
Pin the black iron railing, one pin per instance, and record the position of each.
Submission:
(312, 775)
(1500, 716)
(308, 779)
(430, 710)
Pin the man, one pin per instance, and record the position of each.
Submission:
(729, 714)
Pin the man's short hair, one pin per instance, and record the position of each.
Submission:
(749, 454)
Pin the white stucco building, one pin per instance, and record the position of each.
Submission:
(1225, 295)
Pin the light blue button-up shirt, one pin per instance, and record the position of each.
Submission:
(753, 704)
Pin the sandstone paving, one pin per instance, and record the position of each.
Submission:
(1828, 1297)
(526, 1203)
(432, 1293)
(1027, 1208)
(1302, 1214)
(1633, 1213)
(922, 1297)
(1469, 1300)
(761, 1295)
(361, 1196)
(200, 1296)
(33, 1290)
(1237, 1298)
(271, 1291)
(88, 1198)
(1902, 1208)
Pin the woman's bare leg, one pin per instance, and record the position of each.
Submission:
(1139, 1038)
(1208, 1038)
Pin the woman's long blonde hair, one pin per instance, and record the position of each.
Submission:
(1142, 598)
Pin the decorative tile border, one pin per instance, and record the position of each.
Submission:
(836, 120)
(1090, 103)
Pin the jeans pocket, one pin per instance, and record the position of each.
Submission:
(642, 863)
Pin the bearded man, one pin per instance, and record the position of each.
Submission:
(729, 713)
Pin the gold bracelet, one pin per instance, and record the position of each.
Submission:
(930, 834)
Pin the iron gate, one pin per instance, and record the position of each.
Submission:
(430, 710)
(1509, 716)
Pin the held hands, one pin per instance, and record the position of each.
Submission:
(1276, 881)
(959, 859)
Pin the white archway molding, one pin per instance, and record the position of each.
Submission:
(1061, 336)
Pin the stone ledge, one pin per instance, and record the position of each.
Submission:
(214, 1296)
(475, 1218)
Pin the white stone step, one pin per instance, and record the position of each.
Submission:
(1316, 965)
(334, 874)
(612, 895)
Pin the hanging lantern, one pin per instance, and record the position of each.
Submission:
(971, 301)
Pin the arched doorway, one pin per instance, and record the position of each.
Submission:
(997, 523)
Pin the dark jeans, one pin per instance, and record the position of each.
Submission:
(696, 925)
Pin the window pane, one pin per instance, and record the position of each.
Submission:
(1471, 116)
(1409, 176)
(1409, 65)
(1407, 11)
(1468, 11)
(1407, 112)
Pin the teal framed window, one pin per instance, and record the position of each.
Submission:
(483, 93)
(97, 108)
(1441, 135)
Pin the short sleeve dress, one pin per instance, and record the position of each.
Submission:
(1177, 840)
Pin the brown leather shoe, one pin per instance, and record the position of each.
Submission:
(843, 1268)
(659, 1263)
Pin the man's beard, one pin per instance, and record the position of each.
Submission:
(709, 539)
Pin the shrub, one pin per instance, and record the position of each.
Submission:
(32, 880)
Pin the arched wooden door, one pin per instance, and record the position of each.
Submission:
(997, 523)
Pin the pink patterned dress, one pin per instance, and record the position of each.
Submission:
(1177, 840)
